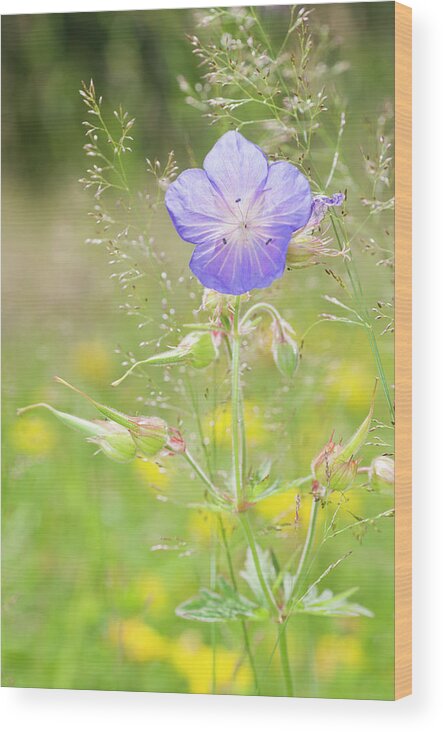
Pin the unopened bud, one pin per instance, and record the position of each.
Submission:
(117, 442)
(176, 443)
(201, 349)
(332, 470)
(215, 302)
(382, 472)
(284, 348)
(304, 251)
(150, 435)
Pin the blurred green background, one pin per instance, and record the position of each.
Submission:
(86, 602)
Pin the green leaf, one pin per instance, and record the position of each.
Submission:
(223, 606)
(327, 604)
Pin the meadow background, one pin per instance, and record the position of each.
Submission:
(87, 603)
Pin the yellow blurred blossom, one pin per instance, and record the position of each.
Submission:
(283, 506)
(33, 436)
(351, 500)
(219, 425)
(138, 641)
(152, 474)
(335, 653)
(151, 591)
(350, 385)
(92, 361)
(194, 660)
(202, 524)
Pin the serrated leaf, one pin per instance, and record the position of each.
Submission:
(249, 573)
(330, 605)
(221, 606)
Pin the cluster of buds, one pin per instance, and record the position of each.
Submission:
(307, 247)
(335, 468)
(121, 437)
(217, 304)
(331, 471)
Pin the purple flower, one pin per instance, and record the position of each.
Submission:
(240, 212)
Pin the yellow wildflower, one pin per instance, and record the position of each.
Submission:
(283, 506)
(92, 361)
(219, 425)
(194, 660)
(33, 436)
(335, 653)
(139, 641)
(152, 474)
(202, 524)
(150, 590)
(350, 385)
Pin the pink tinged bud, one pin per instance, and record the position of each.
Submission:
(150, 435)
(335, 467)
(331, 471)
(114, 440)
(285, 350)
(176, 443)
(382, 472)
(215, 302)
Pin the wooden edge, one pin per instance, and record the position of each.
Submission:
(403, 351)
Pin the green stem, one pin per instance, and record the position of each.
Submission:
(261, 306)
(243, 622)
(244, 520)
(236, 418)
(283, 644)
(201, 474)
(238, 438)
(305, 551)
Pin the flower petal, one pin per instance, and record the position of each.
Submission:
(286, 202)
(320, 205)
(236, 267)
(237, 168)
(197, 210)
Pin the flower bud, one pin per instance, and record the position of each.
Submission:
(284, 348)
(114, 440)
(306, 247)
(197, 348)
(305, 250)
(176, 443)
(215, 302)
(150, 435)
(117, 444)
(332, 471)
(201, 349)
(382, 472)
